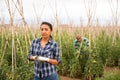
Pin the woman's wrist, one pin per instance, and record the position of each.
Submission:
(53, 61)
(33, 57)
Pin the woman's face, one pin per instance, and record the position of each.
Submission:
(45, 31)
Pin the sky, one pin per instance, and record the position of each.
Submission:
(68, 11)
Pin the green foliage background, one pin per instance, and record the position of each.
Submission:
(104, 51)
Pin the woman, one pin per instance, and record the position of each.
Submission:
(46, 54)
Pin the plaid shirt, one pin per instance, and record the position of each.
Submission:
(51, 50)
(84, 39)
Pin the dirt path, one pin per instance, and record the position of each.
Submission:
(111, 69)
(107, 69)
(67, 78)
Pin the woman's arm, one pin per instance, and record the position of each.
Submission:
(40, 58)
(30, 54)
(56, 55)
(53, 61)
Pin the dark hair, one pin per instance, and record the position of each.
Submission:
(47, 23)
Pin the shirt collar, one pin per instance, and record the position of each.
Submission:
(50, 40)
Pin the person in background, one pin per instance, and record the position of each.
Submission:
(45, 53)
(79, 39)
(81, 45)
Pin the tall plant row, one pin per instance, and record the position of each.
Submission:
(104, 51)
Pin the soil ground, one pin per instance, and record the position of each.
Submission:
(108, 69)
(67, 78)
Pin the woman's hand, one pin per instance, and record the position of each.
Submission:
(53, 61)
(40, 58)
(33, 58)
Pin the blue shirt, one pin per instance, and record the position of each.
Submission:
(51, 50)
